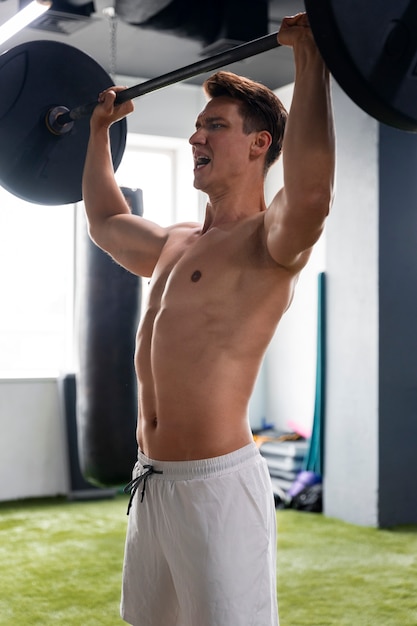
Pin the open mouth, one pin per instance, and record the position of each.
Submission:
(201, 161)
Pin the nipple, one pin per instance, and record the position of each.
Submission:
(195, 276)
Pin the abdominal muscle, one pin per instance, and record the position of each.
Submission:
(192, 396)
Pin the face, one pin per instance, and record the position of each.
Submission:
(220, 147)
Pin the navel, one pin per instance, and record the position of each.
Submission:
(195, 276)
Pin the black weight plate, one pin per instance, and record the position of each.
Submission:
(371, 50)
(35, 164)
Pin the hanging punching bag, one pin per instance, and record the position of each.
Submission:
(108, 310)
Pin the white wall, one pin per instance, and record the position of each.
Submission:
(351, 460)
(291, 356)
(33, 452)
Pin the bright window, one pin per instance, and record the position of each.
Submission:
(37, 256)
(36, 281)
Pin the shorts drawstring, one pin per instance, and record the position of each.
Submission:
(133, 485)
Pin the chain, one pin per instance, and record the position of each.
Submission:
(110, 13)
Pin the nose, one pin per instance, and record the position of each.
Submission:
(197, 137)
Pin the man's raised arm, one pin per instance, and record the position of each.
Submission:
(133, 242)
(296, 216)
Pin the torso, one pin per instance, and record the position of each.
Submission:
(214, 304)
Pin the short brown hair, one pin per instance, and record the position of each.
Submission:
(260, 108)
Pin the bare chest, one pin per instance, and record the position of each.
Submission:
(219, 280)
(203, 270)
(209, 296)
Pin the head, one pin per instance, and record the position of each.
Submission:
(259, 107)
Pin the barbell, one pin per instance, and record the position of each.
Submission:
(370, 49)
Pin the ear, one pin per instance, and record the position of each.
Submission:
(261, 142)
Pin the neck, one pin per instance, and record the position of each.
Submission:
(230, 209)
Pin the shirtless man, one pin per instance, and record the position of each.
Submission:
(200, 547)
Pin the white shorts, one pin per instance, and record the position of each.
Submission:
(201, 545)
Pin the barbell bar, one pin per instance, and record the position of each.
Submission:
(369, 47)
(238, 53)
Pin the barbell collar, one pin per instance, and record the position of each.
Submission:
(53, 121)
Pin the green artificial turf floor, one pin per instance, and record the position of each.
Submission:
(60, 563)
